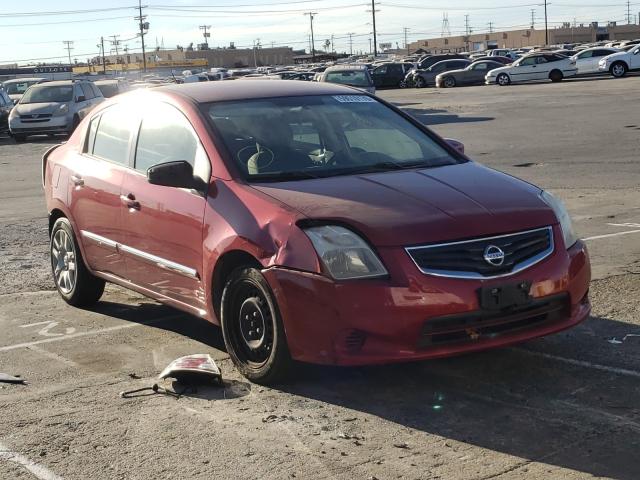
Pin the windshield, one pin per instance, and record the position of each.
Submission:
(48, 93)
(354, 78)
(279, 139)
(14, 88)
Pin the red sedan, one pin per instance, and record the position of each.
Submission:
(313, 222)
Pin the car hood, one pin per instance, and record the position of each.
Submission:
(33, 108)
(616, 56)
(419, 206)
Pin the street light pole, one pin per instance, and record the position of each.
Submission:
(313, 43)
(546, 24)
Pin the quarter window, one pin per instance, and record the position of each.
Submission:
(113, 134)
(86, 91)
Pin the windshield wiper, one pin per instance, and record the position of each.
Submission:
(384, 166)
(282, 176)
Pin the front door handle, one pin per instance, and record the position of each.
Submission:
(77, 180)
(130, 201)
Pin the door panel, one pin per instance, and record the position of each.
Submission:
(163, 244)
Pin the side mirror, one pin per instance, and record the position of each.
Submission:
(172, 174)
(81, 98)
(457, 145)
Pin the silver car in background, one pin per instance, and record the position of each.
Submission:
(53, 107)
(352, 75)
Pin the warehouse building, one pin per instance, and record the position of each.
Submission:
(580, 33)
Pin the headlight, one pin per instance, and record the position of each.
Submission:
(62, 110)
(345, 254)
(570, 237)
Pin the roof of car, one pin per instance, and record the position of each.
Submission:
(30, 79)
(57, 83)
(204, 92)
(337, 68)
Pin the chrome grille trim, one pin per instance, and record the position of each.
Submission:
(478, 276)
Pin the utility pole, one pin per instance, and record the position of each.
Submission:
(467, 30)
(350, 43)
(370, 48)
(375, 35)
(490, 27)
(332, 47)
(533, 19)
(256, 45)
(143, 26)
(68, 44)
(104, 65)
(313, 42)
(546, 24)
(406, 43)
(206, 34)
(115, 43)
(628, 12)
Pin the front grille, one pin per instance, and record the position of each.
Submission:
(467, 259)
(35, 116)
(479, 325)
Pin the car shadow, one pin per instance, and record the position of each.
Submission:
(530, 401)
(428, 116)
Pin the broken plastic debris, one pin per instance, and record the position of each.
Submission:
(5, 378)
(615, 341)
(195, 369)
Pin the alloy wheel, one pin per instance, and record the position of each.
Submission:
(63, 261)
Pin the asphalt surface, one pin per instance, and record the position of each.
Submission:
(562, 407)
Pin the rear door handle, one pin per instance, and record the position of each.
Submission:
(130, 201)
(77, 180)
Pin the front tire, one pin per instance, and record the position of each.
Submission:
(75, 284)
(420, 83)
(619, 69)
(20, 138)
(449, 82)
(503, 80)
(556, 76)
(252, 328)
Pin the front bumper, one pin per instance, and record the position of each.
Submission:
(384, 321)
(60, 124)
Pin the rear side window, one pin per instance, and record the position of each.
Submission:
(165, 136)
(113, 134)
(96, 90)
(87, 91)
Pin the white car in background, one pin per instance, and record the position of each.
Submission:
(535, 66)
(587, 60)
(620, 63)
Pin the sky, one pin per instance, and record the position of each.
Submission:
(33, 31)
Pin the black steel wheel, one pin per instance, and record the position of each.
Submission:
(419, 82)
(252, 328)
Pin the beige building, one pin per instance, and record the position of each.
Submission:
(245, 57)
(529, 37)
(218, 57)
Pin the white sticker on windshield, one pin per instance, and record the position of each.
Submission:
(354, 99)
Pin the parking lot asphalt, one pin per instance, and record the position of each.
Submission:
(562, 407)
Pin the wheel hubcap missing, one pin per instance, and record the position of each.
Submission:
(63, 261)
(252, 324)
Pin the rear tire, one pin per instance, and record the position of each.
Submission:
(252, 328)
(503, 80)
(420, 83)
(20, 138)
(619, 69)
(75, 284)
(556, 76)
(449, 82)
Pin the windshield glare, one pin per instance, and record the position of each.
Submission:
(318, 136)
(355, 78)
(48, 94)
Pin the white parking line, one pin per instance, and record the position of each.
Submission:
(54, 356)
(582, 363)
(36, 469)
(597, 237)
(86, 334)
